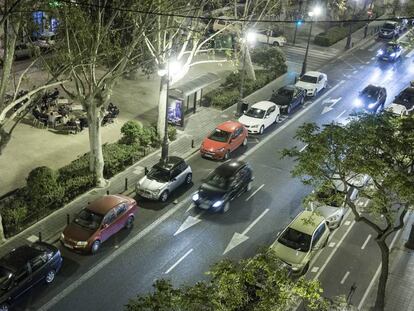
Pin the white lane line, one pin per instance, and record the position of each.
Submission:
(372, 58)
(361, 303)
(347, 223)
(361, 67)
(367, 63)
(355, 71)
(33, 238)
(284, 125)
(332, 244)
(366, 241)
(345, 277)
(314, 269)
(303, 148)
(66, 291)
(255, 221)
(257, 190)
(178, 261)
(334, 251)
(409, 54)
(340, 115)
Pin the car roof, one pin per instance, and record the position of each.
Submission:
(313, 73)
(306, 222)
(229, 126)
(19, 256)
(105, 203)
(229, 168)
(172, 162)
(371, 86)
(265, 104)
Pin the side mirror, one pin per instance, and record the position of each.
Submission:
(244, 111)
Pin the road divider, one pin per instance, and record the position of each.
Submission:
(238, 238)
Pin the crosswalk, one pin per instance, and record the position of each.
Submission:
(316, 58)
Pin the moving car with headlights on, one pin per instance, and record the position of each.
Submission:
(97, 222)
(391, 52)
(301, 240)
(225, 138)
(288, 98)
(260, 116)
(223, 185)
(25, 267)
(313, 82)
(389, 30)
(371, 98)
(403, 103)
(164, 178)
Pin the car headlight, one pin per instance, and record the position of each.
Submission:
(296, 268)
(372, 105)
(393, 54)
(62, 236)
(221, 149)
(81, 243)
(217, 204)
(380, 52)
(333, 218)
(357, 102)
(196, 196)
(255, 126)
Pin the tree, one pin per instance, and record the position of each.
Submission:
(259, 283)
(98, 44)
(380, 146)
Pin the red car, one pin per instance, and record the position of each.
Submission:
(98, 222)
(226, 137)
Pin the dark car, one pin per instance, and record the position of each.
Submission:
(390, 52)
(99, 221)
(372, 98)
(389, 30)
(26, 266)
(288, 98)
(225, 183)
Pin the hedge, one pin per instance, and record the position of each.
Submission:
(336, 34)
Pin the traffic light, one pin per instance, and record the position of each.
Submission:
(299, 22)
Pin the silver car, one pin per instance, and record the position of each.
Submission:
(163, 179)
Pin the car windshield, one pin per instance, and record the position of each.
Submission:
(295, 239)
(159, 174)
(369, 93)
(388, 26)
(285, 92)
(219, 135)
(5, 278)
(218, 181)
(309, 79)
(406, 97)
(88, 219)
(255, 113)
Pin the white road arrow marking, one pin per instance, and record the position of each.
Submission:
(238, 238)
(188, 223)
(332, 103)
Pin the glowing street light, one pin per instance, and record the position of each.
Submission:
(313, 15)
(249, 37)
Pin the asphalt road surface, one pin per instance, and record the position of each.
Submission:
(176, 241)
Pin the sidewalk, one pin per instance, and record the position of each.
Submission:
(400, 286)
(198, 126)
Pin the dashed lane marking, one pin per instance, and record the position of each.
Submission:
(332, 244)
(409, 54)
(303, 148)
(345, 277)
(256, 191)
(314, 269)
(366, 241)
(355, 71)
(33, 238)
(340, 115)
(178, 261)
(347, 223)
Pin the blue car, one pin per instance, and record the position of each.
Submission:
(391, 52)
(24, 267)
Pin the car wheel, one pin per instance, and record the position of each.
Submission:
(275, 43)
(50, 276)
(225, 207)
(95, 246)
(4, 307)
(289, 110)
(188, 178)
(249, 186)
(302, 101)
(277, 118)
(325, 85)
(130, 222)
(261, 130)
(164, 196)
(226, 156)
(305, 269)
(245, 141)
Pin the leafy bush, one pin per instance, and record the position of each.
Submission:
(172, 132)
(117, 157)
(271, 58)
(14, 215)
(336, 34)
(76, 186)
(225, 98)
(131, 131)
(75, 168)
(43, 188)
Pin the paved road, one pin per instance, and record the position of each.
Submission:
(130, 262)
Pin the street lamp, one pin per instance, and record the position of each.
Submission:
(312, 14)
(173, 68)
(349, 39)
(249, 37)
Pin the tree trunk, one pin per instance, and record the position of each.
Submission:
(382, 284)
(249, 65)
(162, 109)
(96, 161)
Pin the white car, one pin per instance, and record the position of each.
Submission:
(267, 37)
(260, 116)
(231, 25)
(313, 82)
(163, 179)
(403, 103)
